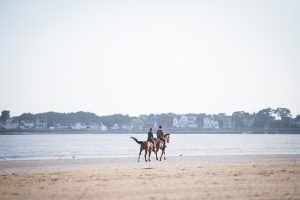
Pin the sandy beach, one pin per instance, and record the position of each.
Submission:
(200, 177)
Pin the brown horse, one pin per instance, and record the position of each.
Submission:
(147, 146)
(159, 144)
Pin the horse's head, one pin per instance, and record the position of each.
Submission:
(167, 137)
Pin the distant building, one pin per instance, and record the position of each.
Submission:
(26, 124)
(192, 122)
(248, 122)
(210, 123)
(115, 127)
(185, 122)
(78, 126)
(297, 122)
(39, 124)
(175, 123)
(94, 126)
(58, 126)
(125, 127)
(10, 124)
(103, 127)
(130, 127)
(227, 122)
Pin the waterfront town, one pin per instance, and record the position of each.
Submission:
(273, 120)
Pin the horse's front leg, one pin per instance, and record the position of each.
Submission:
(149, 156)
(162, 152)
(156, 154)
(164, 155)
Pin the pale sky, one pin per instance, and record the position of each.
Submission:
(141, 57)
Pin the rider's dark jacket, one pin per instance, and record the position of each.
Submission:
(159, 133)
(150, 136)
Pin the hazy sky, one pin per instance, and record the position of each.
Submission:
(141, 57)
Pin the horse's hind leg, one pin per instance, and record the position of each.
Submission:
(141, 149)
(156, 155)
(164, 154)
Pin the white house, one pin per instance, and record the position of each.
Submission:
(185, 122)
(78, 126)
(94, 126)
(210, 123)
(192, 122)
(175, 123)
(115, 127)
(39, 124)
(58, 126)
(125, 127)
(103, 127)
(26, 125)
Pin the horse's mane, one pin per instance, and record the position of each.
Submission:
(167, 134)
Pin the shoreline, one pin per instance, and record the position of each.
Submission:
(69, 158)
(70, 164)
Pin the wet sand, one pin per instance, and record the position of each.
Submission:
(201, 177)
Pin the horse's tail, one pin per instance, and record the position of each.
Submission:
(139, 142)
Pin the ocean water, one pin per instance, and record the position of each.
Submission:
(54, 146)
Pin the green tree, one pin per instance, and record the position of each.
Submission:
(26, 117)
(263, 117)
(5, 114)
(166, 120)
(110, 120)
(137, 121)
(200, 119)
(238, 118)
(220, 118)
(285, 118)
(283, 113)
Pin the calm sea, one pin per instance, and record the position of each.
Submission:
(53, 146)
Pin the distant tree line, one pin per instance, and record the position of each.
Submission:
(276, 118)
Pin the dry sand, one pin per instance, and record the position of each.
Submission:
(202, 177)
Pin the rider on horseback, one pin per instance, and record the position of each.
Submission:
(160, 135)
(150, 136)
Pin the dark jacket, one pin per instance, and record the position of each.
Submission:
(150, 136)
(159, 133)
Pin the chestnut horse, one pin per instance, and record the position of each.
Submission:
(159, 144)
(147, 146)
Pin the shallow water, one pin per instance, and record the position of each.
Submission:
(52, 146)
